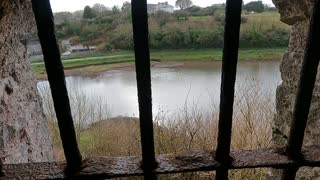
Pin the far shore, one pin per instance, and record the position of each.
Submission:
(164, 59)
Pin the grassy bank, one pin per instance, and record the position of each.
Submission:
(87, 55)
(101, 64)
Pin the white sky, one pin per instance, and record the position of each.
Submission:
(73, 5)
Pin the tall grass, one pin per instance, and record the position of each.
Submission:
(187, 128)
(264, 21)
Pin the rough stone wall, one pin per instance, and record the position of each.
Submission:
(24, 135)
(295, 13)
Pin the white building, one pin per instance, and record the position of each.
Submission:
(161, 6)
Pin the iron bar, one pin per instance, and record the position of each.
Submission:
(229, 69)
(142, 63)
(44, 19)
(305, 89)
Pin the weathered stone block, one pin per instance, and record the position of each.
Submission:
(296, 13)
(24, 134)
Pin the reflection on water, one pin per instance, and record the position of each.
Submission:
(172, 88)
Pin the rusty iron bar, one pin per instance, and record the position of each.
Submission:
(45, 24)
(229, 70)
(189, 161)
(142, 63)
(305, 89)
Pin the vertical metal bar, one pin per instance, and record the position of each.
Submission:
(305, 89)
(44, 19)
(229, 69)
(142, 59)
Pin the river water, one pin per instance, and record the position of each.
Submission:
(173, 88)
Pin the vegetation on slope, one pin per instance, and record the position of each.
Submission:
(193, 27)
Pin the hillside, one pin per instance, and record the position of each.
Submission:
(194, 27)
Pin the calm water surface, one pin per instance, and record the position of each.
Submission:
(175, 87)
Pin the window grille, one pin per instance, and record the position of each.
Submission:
(289, 158)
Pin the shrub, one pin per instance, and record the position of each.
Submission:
(220, 18)
(122, 41)
(108, 47)
(244, 20)
(260, 38)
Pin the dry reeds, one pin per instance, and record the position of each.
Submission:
(185, 129)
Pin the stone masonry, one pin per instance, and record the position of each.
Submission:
(297, 14)
(24, 133)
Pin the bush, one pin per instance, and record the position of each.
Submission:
(255, 6)
(210, 39)
(122, 41)
(108, 47)
(220, 18)
(264, 38)
(277, 37)
(187, 39)
(244, 20)
(105, 47)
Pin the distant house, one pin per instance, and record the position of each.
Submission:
(161, 6)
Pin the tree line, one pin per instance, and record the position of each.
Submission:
(189, 27)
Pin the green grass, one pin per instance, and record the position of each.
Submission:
(199, 17)
(78, 56)
(39, 69)
(209, 55)
(97, 61)
(173, 56)
(97, 55)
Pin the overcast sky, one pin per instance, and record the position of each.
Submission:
(73, 5)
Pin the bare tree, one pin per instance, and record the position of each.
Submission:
(183, 4)
(99, 7)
